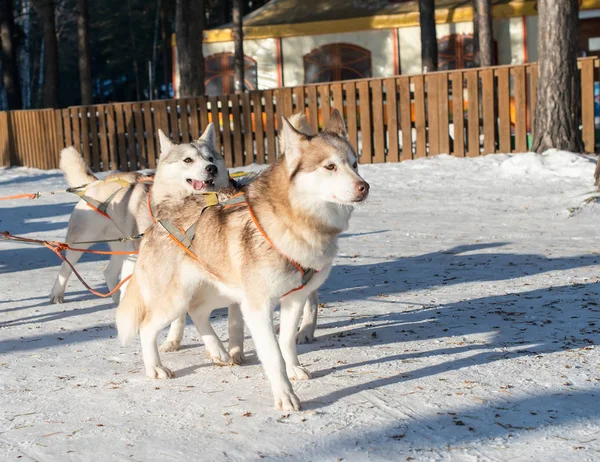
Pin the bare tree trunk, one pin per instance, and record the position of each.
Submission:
(166, 57)
(429, 48)
(8, 56)
(482, 24)
(136, 67)
(238, 45)
(46, 10)
(189, 27)
(558, 95)
(85, 57)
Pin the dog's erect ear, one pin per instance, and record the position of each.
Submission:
(290, 138)
(165, 143)
(336, 124)
(209, 135)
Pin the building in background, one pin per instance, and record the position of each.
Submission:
(291, 42)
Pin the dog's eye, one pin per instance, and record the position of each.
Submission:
(188, 160)
(355, 165)
(330, 167)
(211, 159)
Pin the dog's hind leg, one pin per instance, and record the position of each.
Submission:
(127, 267)
(113, 271)
(290, 313)
(260, 322)
(216, 351)
(148, 336)
(236, 334)
(175, 335)
(306, 334)
(60, 284)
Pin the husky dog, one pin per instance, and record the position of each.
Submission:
(277, 246)
(183, 170)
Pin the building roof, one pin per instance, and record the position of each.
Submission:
(294, 11)
(289, 18)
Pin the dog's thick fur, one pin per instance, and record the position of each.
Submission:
(128, 210)
(302, 202)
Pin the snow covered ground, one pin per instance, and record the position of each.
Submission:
(460, 323)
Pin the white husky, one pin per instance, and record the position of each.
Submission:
(275, 244)
(183, 170)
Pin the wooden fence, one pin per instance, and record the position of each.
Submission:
(467, 112)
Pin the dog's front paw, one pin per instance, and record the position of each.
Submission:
(57, 298)
(287, 401)
(237, 356)
(298, 373)
(305, 336)
(221, 358)
(159, 372)
(169, 345)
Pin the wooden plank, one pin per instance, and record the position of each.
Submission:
(288, 105)
(214, 114)
(532, 97)
(473, 113)
(365, 122)
(76, 130)
(443, 114)
(259, 132)
(60, 138)
(227, 146)
(85, 133)
(111, 125)
(325, 104)
(299, 98)
(132, 161)
(94, 138)
(203, 115)
(103, 138)
(247, 123)
(393, 154)
(405, 118)
(421, 147)
(270, 118)
(195, 124)
(36, 139)
(504, 128)
(67, 132)
(351, 122)
(277, 114)
(184, 121)
(377, 117)
(458, 114)
(138, 119)
(175, 132)
(433, 114)
(151, 154)
(587, 105)
(121, 137)
(489, 119)
(520, 96)
(238, 147)
(338, 97)
(313, 108)
(5, 149)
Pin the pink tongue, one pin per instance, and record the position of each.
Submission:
(198, 185)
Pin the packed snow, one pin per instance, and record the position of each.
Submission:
(459, 323)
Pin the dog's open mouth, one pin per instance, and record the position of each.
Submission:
(200, 185)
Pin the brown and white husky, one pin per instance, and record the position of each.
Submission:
(257, 253)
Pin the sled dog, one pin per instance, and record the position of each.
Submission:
(183, 170)
(274, 244)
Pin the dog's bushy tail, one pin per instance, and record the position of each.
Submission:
(77, 173)
(130, 312)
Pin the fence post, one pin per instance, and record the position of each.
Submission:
(5, 140)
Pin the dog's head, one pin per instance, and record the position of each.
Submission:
(192, 167)
(323, 168)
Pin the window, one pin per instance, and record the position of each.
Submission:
(219, 71)
(337, 61)
(455, 52)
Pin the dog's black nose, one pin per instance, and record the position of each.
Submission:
(212, 169)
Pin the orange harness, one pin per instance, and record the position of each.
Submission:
(184, 238)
